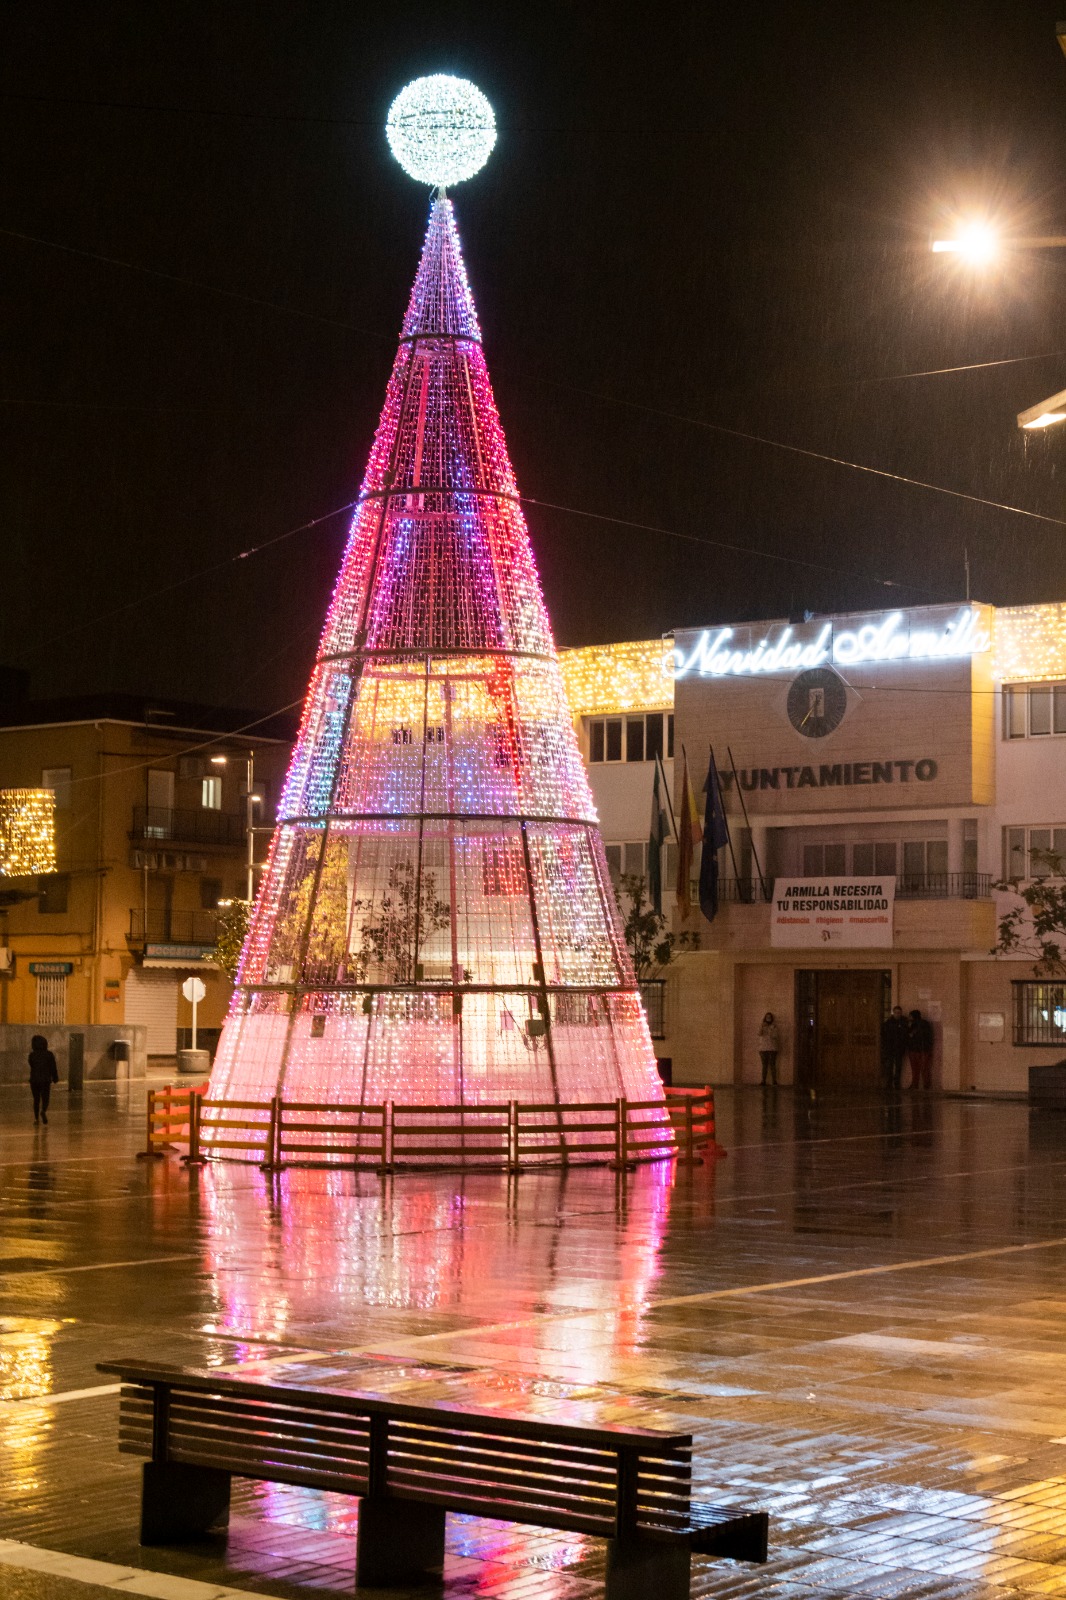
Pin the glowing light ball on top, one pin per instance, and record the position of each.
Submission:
(441, 129)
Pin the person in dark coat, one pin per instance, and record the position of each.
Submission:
(43, 1073)
(920, 1050)
(894, 1032)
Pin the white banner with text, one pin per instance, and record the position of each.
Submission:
(850, 913)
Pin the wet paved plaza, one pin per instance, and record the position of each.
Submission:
(860, 1315)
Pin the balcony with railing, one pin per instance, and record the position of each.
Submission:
(192, 825)
(171, 927)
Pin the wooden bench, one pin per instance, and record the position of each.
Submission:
(413, 1463)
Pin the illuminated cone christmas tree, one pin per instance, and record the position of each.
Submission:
(436, 923)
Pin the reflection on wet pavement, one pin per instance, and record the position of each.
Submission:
(860, 1316)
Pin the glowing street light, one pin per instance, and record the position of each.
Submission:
(977, 244)
(1045, 413)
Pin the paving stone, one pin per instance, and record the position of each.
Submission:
(859, 1315)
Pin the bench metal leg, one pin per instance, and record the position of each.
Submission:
(397, 1542)
(647, 1569)
(179, 1502)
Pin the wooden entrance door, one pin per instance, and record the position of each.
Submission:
(841, 1015)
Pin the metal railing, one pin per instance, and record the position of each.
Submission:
(172, 927)
(909, 886)
(1039, 1012)
(653, 994)
(188, 825)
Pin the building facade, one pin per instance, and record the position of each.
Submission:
(880, 773)
(152, 814)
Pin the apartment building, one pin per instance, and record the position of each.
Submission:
(152, 833)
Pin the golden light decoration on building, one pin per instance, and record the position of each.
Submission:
(1029, 643)
(618, 677)
(27, 832)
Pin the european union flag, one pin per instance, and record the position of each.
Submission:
(715, 835)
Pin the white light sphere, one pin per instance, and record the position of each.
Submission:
(441, 129)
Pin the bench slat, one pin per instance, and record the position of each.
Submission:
(475, 1419)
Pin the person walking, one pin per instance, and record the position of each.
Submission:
(43, 1073)
(894, 1032)
(920, 1050)
(769, 1045)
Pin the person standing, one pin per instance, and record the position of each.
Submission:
(43, 1073)
(769, 1045)
(920, 1050)
(894, 1032)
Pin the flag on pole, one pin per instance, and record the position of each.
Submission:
(715, 835)
(689, 835)
(656, 840)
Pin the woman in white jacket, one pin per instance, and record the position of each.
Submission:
(769, 1045)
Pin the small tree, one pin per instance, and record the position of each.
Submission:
(650, 944)
(409, 913)
(230, 934)
(1036, 929)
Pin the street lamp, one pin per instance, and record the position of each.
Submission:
(1045, 413)
(251, 800)
(977, 244)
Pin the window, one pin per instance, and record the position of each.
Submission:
(54, 890)
(1034, 710)
(210, 893)
(633, 859)
(1025, 851)
(1039, 1012)
(820, 860)
(211, 793)
(874, 858)
(190, 768)
(58, 780)
(626, 858)
(638, 738)
(925, 862)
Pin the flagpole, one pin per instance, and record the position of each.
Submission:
(728, 833)
(747, 822)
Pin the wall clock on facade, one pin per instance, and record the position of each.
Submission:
(817, 701)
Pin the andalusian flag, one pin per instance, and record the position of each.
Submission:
(689, 834)
(656, 840)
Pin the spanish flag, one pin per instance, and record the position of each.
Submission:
(689, 835)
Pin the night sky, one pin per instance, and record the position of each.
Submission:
(695, 214)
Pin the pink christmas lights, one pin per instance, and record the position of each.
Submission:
(436, 924)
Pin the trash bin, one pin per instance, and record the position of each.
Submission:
(75, 1063)
(120, 1055)
(194, 1063)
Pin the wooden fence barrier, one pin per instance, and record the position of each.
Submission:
(172, 1114)
(464, 1136)
(513, 1134)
